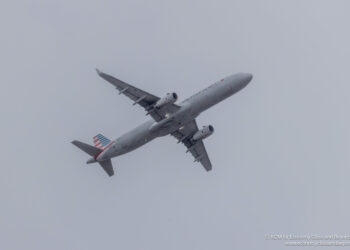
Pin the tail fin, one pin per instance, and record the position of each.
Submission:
(90, 150)
(107, 166)
(101, 141)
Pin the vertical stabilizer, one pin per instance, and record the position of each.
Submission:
(101, 141)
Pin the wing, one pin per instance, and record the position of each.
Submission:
(144, 99)
(196, 148)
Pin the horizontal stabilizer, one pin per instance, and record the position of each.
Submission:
(107, 166)
(91, 150)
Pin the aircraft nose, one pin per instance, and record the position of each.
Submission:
(247, 77)
(244, 79)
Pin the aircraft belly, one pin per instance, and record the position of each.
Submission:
(188, 111)
(134, 139)
(210, 97)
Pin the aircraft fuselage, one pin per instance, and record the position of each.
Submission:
(190, 109)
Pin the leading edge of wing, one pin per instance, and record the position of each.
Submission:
(126, 88)
(140, 97)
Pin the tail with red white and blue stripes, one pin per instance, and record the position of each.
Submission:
(101, 144)
(101, 141)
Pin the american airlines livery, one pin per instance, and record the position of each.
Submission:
(168, 118)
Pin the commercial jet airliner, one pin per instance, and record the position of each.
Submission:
(168, 118)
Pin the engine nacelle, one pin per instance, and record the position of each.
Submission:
(203, 133)
(170, 98)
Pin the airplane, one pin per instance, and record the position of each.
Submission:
(168, 118)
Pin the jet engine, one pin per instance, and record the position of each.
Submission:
(170, 98)
(203, 133)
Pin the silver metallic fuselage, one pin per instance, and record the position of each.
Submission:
(190, 109)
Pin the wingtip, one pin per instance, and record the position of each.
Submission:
(75, 143)
(98, 71)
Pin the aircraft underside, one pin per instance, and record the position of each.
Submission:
(167, 118)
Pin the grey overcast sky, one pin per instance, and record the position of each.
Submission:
(280, 150)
